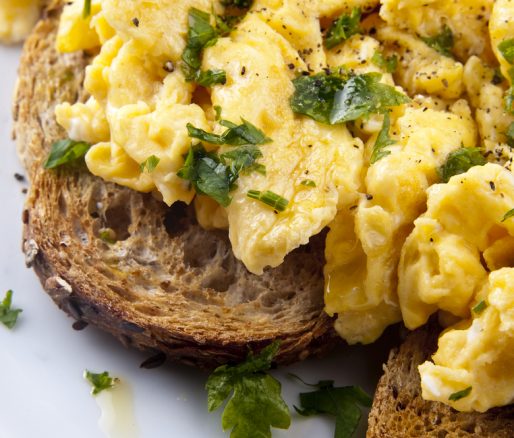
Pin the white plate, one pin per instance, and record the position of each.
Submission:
(42, 393)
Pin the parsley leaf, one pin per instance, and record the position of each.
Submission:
(480, 307)
(460, 394)
(149, 164)
(200, 35)
(235, 135)
(389, 64)
(64, 152)
(343, 403)
(508, 215)
(314, 95)
(270, 198)
(363, 95)
(8, 316)
(335, 99)
(86, 11)
(215, 175)
(383, 140)
(308, 183)
(506, 48)
(99, 382)
(243, 159)
(210, 77)
(443, 43)
(343, 28)
(255, 403)
(460, 161)
(208, 175)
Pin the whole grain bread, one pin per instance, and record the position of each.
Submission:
(166, 284)
(399, 411)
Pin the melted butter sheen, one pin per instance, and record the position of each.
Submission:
(117, 419)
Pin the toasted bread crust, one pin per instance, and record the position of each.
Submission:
(399, 411)
(167, 284)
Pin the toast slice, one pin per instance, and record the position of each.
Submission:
(399, 411)
(166, 284)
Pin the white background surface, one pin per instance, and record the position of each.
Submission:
(42, 393)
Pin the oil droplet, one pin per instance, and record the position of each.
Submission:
(117, 419)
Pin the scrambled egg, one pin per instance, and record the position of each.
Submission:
(401, 246)
(17, 17)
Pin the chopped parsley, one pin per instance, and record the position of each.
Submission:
(64, 152)
(235, 135)
(308, 183)
(480, 307)
(383, 140)
(460, 394)
(8, 315)
(99, 382)
(443, 42)
(506, 48)
(343, 28)
(363, 95)
(200, 35)
(508, 215)
(334, 98)
(217, 110)
(214, 175)
(86, 11)
(277, 202)
(460, 161)
(255, 403)
(344, 403)
(149, 164)
(389, 63)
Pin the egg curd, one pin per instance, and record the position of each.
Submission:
(17, 17)
(292, 116)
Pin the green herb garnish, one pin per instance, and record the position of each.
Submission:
(255, 403)
(8, 315)
(308, 183)
(460, 394)
(217, 110)
(99, 382)
(363, 95)
(343, 28)
(149, 164)
(200, 35)
(460, 161)
(235, 135)
(343, 403)
(506, 48)
(383, 140)
(508, 215)
(443, 43)
(314, 95)
(389, 64)
(334, 98)
(270, 198)
(64, 152)
(480, 307)
(86, 11)
(215, 175)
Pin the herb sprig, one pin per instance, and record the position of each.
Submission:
(255, 403)
(8, 315)
(460, 161)
(65, 152)
(343, 28)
